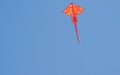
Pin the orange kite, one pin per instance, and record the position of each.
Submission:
(73, 10)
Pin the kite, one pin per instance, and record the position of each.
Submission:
(73, 10)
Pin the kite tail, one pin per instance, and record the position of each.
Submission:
(75, 25)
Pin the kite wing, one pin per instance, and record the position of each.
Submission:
(78, 9)
(67, 10)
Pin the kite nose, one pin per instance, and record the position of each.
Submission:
(71, 3)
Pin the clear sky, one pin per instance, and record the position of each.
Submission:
(36, 38)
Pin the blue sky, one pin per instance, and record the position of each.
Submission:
(36, 38)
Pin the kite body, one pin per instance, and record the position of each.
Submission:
(73, 10)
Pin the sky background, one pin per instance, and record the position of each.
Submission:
(36, 38)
